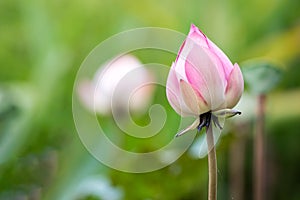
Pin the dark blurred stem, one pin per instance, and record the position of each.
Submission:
(259, 165)
(236, 162)
(212, 165)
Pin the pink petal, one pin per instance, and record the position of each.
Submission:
(173, 81)
(180, 50)
(226, 63)
(198, 82)
(174, 94)
(189, 128)
(197, 36)
(226, 113)
(178, 104)
(173, 100)
(179, 65)
(204, 73)
(192, 99)
(172, 90)
(200, 38)
(235, 87)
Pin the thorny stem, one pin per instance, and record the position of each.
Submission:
(212, 165)
(259, 166)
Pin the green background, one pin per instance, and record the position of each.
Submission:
(43, 43)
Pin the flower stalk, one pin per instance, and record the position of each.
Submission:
(212, 165)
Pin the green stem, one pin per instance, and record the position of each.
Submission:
(212, 165)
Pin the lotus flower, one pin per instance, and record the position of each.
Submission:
(203, 82)
(122, 82)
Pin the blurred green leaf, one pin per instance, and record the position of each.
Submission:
(261, 76)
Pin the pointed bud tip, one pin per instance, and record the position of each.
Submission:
(194, 28)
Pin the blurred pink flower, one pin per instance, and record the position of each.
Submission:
(202, 79)
(122, 82)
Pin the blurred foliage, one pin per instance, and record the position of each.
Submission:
(261, 76)
(42, 46)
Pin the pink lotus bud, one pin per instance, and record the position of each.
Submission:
(202, 78)
(122, 82)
